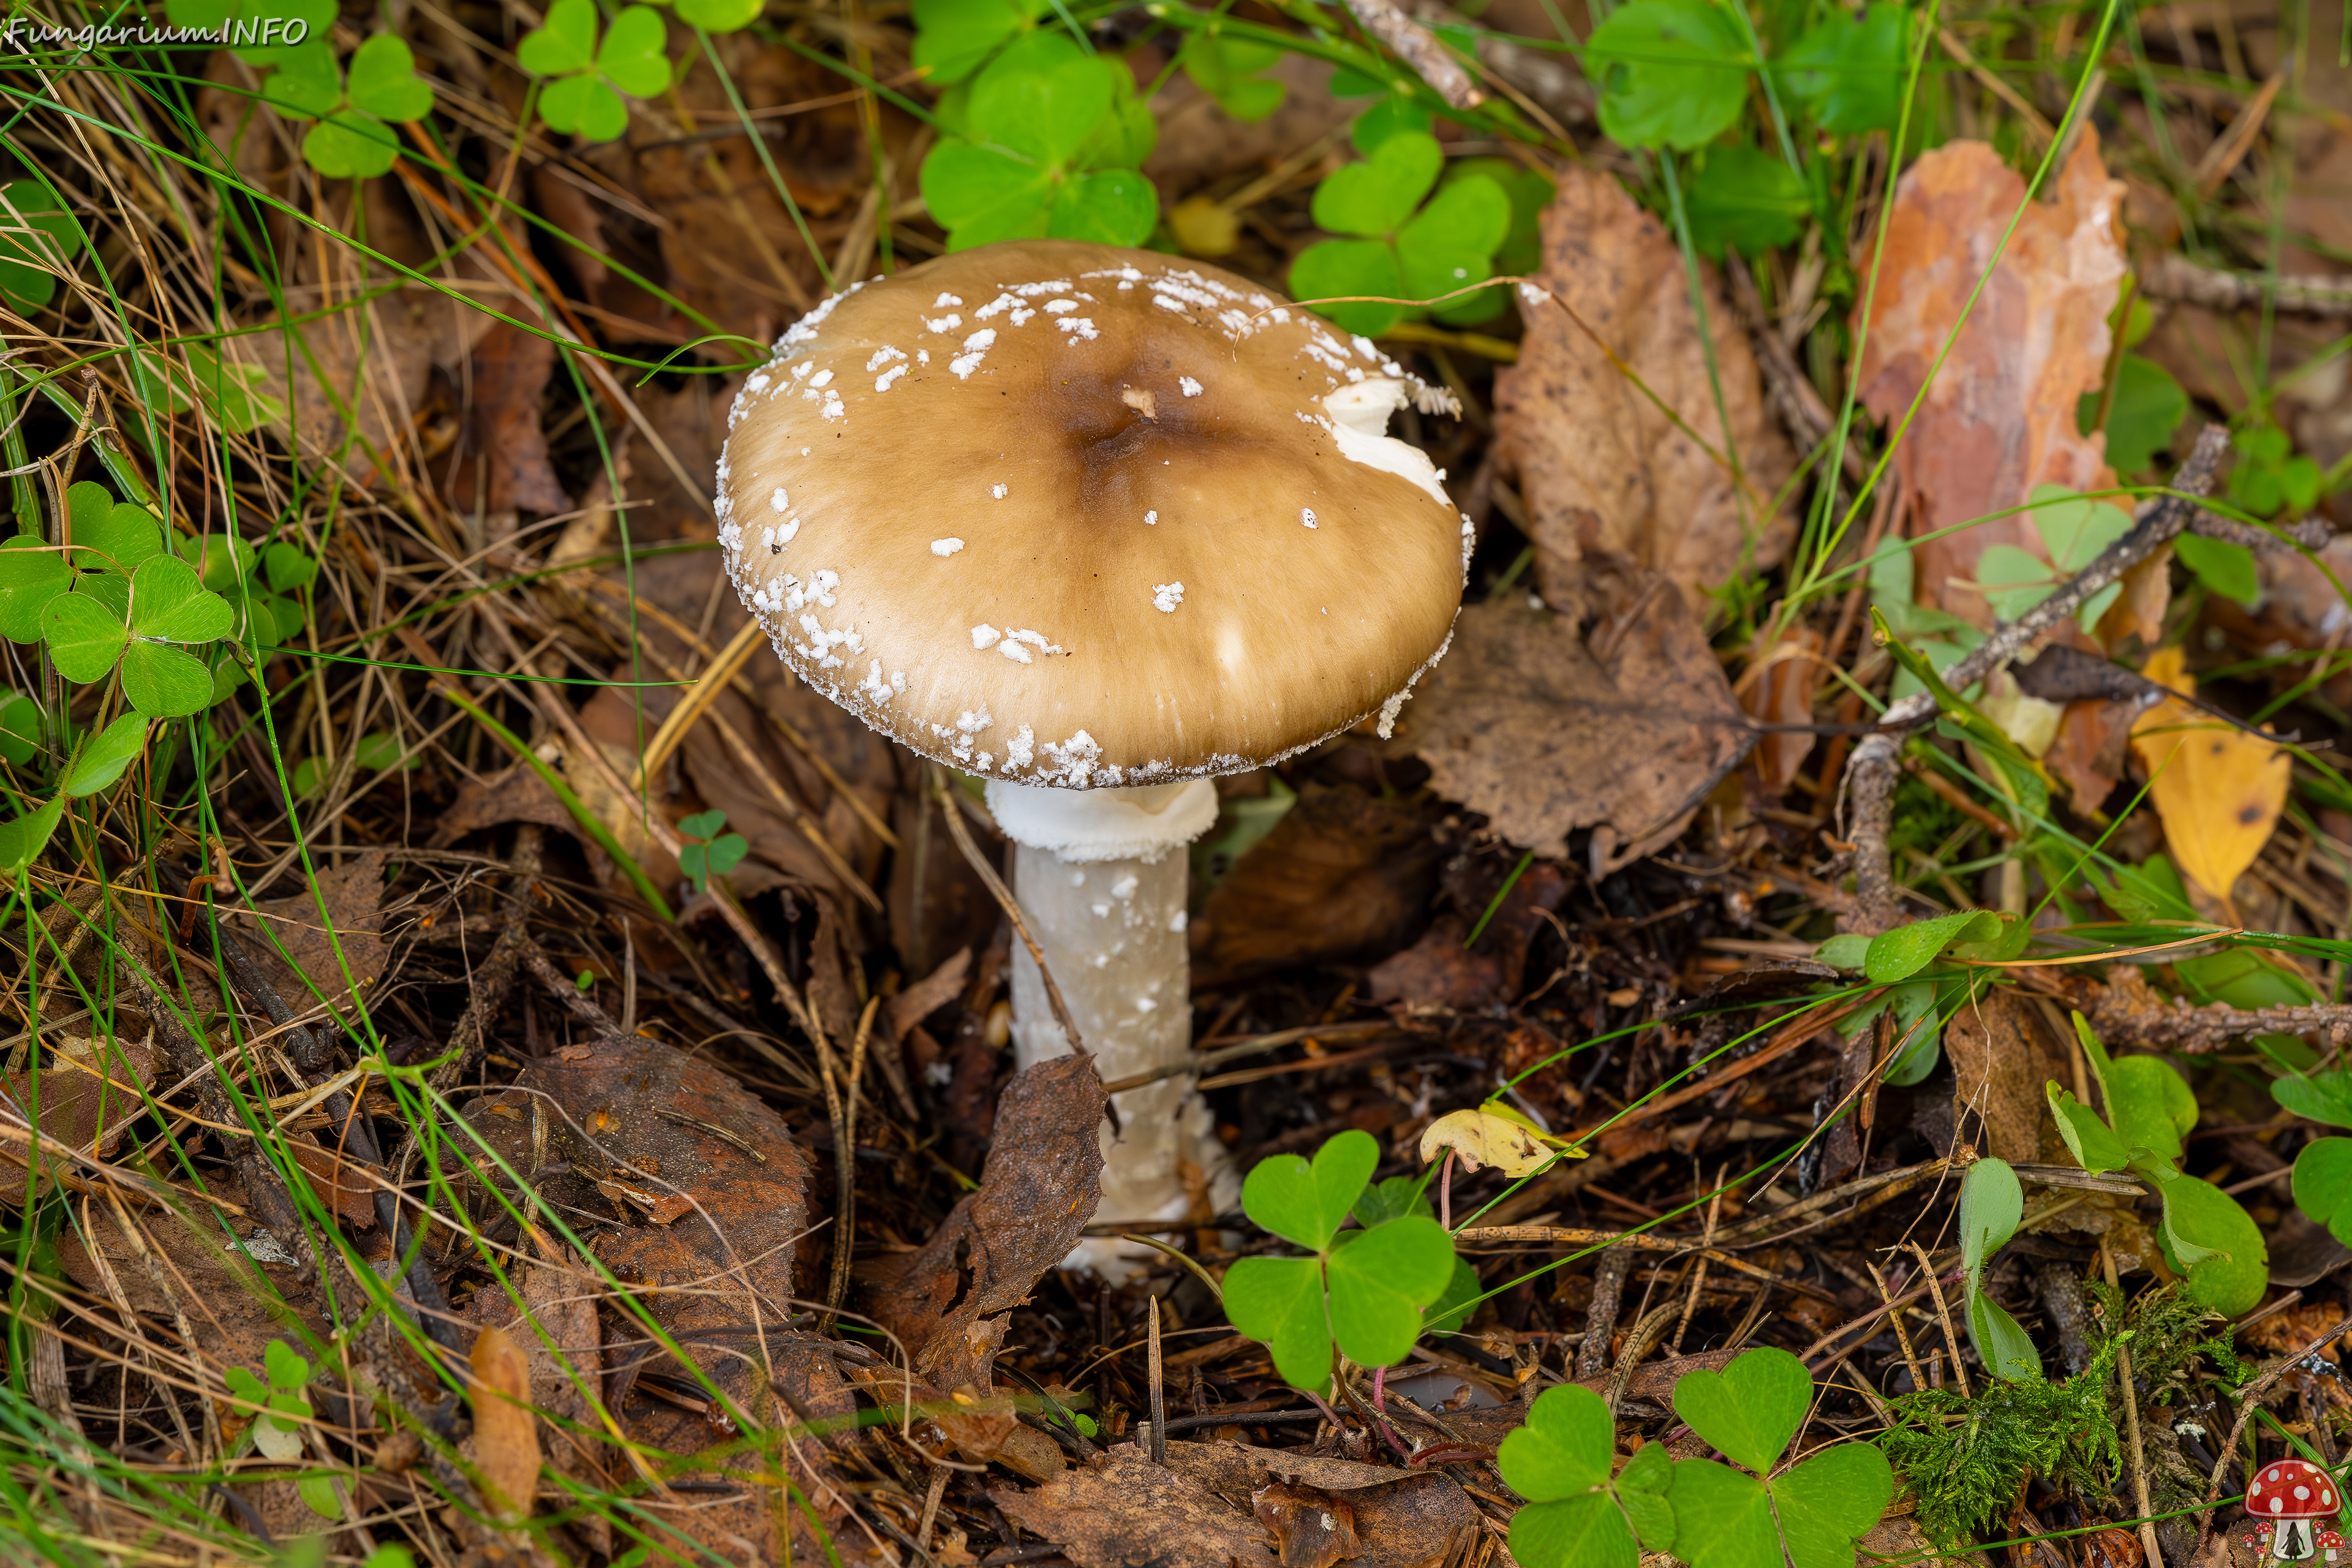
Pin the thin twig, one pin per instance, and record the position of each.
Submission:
(1005, 901)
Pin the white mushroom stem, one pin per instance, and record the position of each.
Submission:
(1101, 875)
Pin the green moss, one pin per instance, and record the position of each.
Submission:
(1965, 1461)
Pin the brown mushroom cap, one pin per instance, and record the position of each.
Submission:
(1078, 515)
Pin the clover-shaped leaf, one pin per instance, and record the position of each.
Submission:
(236, 394)
(1673, 73)
(289, 1370)
(108, 535)
(1577, 1515)
(1365, 1291)
(586, 96)
(1307, 1203)
(1376, 195)
(38, 234)
(954, 39)
(1225, 69)
(20, 730)
(2320, 1096)
(1747, 200)
(1809, 1517)
(288, 567)
(353, 137)
(170, 604)
(32, 573)
(1335, 269)
(306, 84)
(1851, 71)
(85, 637)
(1751, 1408)
(717, 854)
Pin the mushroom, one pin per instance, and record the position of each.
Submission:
(2292, 1495)
(1094, 525)
(2330, 1544)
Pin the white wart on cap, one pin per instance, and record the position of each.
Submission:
(1073, 514)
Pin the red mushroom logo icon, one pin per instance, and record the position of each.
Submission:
(2297, 1499)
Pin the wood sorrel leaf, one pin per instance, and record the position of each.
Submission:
(168, 604)
(1565, 1446)
(85, 637)
(1278, 1302)
(165, 683)
(1830, 1499)
(1586, 1532)
(1722, 1519)
(1379, 1280)
(2321, 1095)
(1306, 1204)
(31, 575)
(1751, 1409)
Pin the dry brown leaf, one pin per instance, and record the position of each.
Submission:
(1604, 474)
(1998, 418)
(2088, 756)
(1443, 969)
(1344, 874)
(84, 1098)
(2218, 789)
(927, 996)
(505, 1433)
(1311, 1529)
(555, 1324)
(503, 466)
(1778, 689)
(1548, 728)
(949, 1300)
(982, 1428)
(1124, 1511)
(2001, 1059)
(352, 895)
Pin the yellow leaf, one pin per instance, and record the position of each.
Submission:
(505, 1433)
(1490, 1135)
(2218, 789)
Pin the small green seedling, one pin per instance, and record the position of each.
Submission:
(1743, 198)
(1397, 246)
(354, 111)
(2270, 477)
(711, 853)
(282, 1404)
(1363, 1291)
(1046, 141)
(39, 236)
(1991, 1204)
(1226, 67)
(584, 98)
(1849, 71)
(1708, 1514)
(2206, 1235)
(585, 982)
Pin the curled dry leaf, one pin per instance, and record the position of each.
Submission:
(505, 1433)
(2218, 789)
(1548, 728)
(949, 1300)
(1487, 1135)
(1311, 1529)
(1606, 476)
(504, 467)
(1999, 416)
(84, 1098)
(2001, 1060)
(1443, 969)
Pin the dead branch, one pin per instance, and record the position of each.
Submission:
(1870, 774)
(2173, 276)
(2125, 1006)
(1417, 46)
